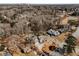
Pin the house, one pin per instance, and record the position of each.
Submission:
(52, 32)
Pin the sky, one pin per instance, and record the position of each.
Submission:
(39, 1)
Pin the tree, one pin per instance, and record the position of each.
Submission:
(71, 43)
(2, 47)
(68, 49)
(73, 22)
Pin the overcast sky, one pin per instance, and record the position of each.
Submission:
(40, 1)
